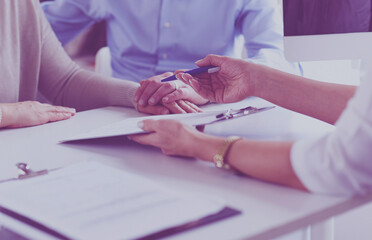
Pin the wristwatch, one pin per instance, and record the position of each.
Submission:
(219, 158)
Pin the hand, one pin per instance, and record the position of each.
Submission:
(233, 83)
(152, 91)
(171, 136)
(180, 106)
(32, 113)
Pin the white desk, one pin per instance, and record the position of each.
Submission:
(268, 210)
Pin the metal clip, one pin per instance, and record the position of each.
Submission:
(231, 113)
(26, 172)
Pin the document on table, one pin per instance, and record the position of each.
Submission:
(129, 126)
(92, 201)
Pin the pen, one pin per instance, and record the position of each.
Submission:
(196, 71)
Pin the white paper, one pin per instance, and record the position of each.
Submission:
(129, 126)
(93, 201)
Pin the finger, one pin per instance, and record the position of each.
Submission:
(194, 106)
(58, 109)
(161, 76)
(165, 89)
(148, 125)
(64, 110)
(211, 59)
(58, 116)
(148, 91)
(180, 71)
(156, 110)
(174, 107)
(190, 80)
(185, 106)
(174, 96)
(143, 85)
(149, 86)
(195, 85)
(184, 77)
(146, 139)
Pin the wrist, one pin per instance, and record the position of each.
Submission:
(206, 146)
(260, 80)
(220, 158)
(5, 115)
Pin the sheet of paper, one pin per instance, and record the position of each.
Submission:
(92, 201)
(129, 126)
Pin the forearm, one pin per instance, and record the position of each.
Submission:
(268, 161)
(324, 101)
(87, 90)
(63, 83)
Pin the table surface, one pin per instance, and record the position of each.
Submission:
(268, 210)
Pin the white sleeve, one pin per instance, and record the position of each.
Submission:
(341, 162)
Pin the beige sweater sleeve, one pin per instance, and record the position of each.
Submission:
(64, 83)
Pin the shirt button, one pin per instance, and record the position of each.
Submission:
(167, 24)
(165, 56)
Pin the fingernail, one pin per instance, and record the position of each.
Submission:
(140, 124)
(165, 99)
(141, 102)
(164, 112)
(152, 101)
(198, 61)
(180, 77)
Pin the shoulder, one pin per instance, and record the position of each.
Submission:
(19, 12)
(95, 9)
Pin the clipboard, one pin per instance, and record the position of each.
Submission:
(129, 126)
(27, 173)
(231, 114)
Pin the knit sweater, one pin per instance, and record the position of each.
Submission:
(32, 60)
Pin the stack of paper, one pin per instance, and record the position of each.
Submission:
(93, 201)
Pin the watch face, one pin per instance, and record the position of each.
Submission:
(218, 160)
(219, 164)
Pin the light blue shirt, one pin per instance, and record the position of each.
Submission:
(149, 37)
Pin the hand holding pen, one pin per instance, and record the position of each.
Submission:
(231, 83)
(193, 72)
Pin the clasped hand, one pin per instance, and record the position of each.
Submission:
(156, 97)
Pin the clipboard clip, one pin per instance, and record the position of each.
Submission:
(27, 172)
(231, 113)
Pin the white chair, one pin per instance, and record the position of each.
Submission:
(103, 62)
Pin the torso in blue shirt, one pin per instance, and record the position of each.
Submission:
(149, 37)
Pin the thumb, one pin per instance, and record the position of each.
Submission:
(211, 59)
(147, 125)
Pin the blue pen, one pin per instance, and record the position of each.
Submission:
(196, 71)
